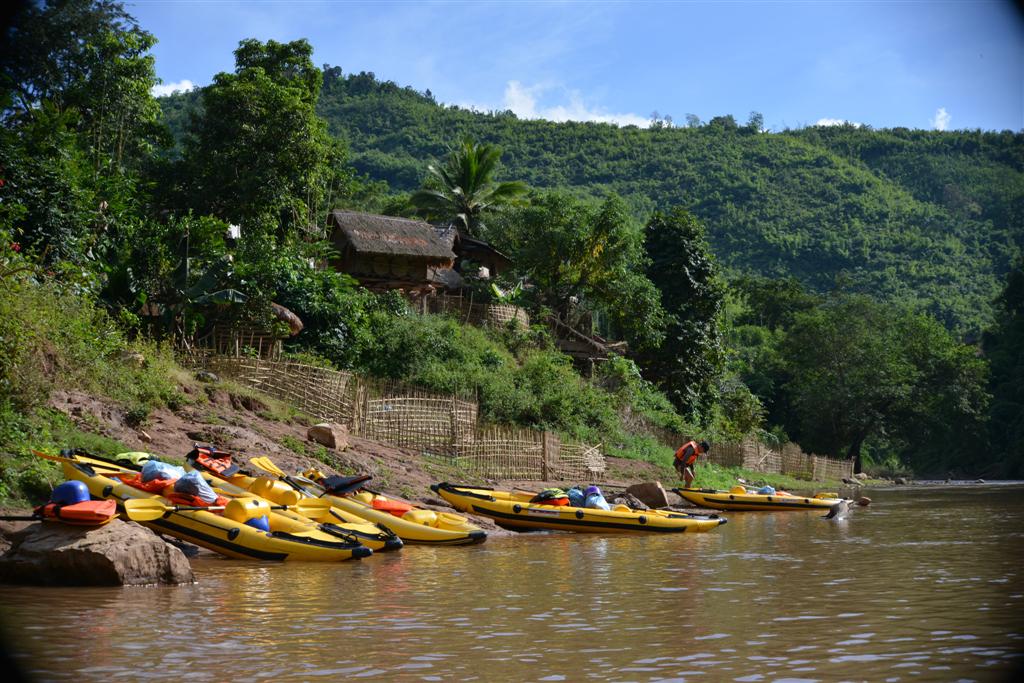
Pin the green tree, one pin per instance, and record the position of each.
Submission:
(79, 127)
(258, 155)
(90, 57)
(864, 370)
(691, 359)
(1004, 347)
(462, 189)
(584, 258)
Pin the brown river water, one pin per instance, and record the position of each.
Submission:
(927, 584)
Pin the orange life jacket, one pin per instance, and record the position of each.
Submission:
(85, 513)
(193, 501)
(151, 486)
(213, 460)
(692, 458)
(394, 507)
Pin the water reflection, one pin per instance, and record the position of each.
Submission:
(921, 585)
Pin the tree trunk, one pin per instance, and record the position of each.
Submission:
(854, 454)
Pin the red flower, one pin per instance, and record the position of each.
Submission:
(15, 246)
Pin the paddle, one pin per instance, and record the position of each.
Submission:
(268, 466)
(21, 518)
(76, 461)
(148, 509)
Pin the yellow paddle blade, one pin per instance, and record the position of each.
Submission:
(267, 465)
(148, 509)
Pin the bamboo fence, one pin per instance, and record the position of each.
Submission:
(789, 459)
(412, 417)
(754, 455)
(480, 314)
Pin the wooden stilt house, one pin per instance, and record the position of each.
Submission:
(387, 252)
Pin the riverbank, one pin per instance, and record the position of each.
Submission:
(249, 424)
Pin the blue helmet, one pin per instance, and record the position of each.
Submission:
(69, 493)
(592, 489)
(261, 523)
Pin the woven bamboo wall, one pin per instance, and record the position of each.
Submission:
(504, 453)
(481, 314)
(323, 393)
(753, 455)
(233, 340)
(411, 417)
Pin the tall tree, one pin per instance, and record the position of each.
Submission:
(463, 190)
(689, 362)
(1004, 346)
(864, 370)
(258, 154)
(79, 124)
(585, 258)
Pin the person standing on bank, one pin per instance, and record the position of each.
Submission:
(686, 459)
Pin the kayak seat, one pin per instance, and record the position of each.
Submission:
(339, 486)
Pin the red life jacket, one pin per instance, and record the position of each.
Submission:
(692, 458)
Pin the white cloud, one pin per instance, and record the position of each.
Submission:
(836, 122)
(941, 119)
(169, 88)
(523, 101)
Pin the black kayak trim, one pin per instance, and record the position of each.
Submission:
(517, 520)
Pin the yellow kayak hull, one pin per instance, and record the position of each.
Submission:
(366, 532)
(360, 531)
(459, 533)
(726, 500)
(514, 511)
(289, 539)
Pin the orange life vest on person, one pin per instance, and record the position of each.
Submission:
(692, 458)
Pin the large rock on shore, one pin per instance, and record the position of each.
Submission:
(115, 554)
(651, 493)
(329, 434)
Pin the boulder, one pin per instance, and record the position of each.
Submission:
(115, 554)
(900, 481)
(650, 493)
(861, 475)
(629, 501)
(329, 434)
(133, 358)
(207, 376)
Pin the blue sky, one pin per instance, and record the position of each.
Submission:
(927, 64)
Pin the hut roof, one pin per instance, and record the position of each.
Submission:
(372, 234)
(470, 247)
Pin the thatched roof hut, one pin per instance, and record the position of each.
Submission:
(387, 252)
(471, 249)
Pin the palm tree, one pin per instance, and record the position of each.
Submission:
(462, 190)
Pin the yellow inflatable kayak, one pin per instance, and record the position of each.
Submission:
(739, 498)
(513, 509)
(411, 523)
(370, 534)
(287, 538)
(335, 522)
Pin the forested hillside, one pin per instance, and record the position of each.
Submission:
(733, 262)
(932, 218)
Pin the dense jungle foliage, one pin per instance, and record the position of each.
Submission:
(815, 285)
(930, 218)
